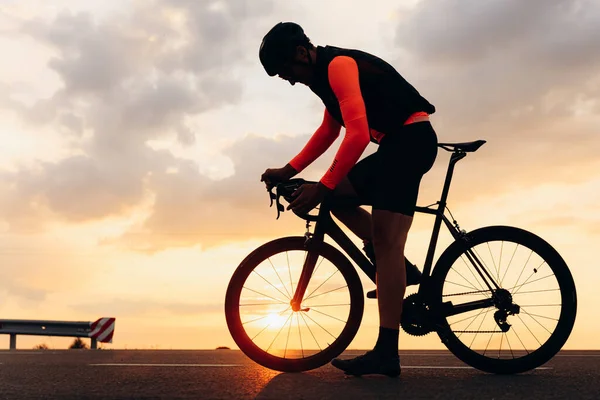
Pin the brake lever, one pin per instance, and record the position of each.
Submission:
(273, 196)
(280, 207)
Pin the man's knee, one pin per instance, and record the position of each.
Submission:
(344, 197)
(344, 188)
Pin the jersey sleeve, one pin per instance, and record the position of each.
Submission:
(344, 80)
(320, 141)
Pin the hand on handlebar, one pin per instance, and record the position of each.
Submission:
(273, 176)
(307, 197)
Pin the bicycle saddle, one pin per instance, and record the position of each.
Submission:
(466, 146)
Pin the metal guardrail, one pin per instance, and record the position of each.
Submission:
(100, 330)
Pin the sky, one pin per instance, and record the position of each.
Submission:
(134, 134)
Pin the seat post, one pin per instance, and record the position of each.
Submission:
(456, 156)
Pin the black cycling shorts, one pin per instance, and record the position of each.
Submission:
(389, 179)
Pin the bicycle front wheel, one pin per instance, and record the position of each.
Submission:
(259, 313)
(525, 321)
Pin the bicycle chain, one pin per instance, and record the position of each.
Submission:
(462, 294)
(477, 331)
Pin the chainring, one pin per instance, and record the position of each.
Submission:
(413, 311)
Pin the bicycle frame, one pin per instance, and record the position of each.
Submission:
(326, 225)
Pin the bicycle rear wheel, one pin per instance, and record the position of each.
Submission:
(260, 318)
(530, 274)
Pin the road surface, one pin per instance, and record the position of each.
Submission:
(229, 374)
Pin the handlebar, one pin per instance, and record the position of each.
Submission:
(285, 190)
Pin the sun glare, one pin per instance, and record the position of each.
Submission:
(276, 321)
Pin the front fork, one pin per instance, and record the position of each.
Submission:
(311, 244)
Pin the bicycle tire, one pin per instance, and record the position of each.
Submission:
(568, 295)
(250, 349)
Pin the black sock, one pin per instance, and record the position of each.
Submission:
(387, 342)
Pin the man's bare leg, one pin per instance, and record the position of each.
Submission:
(390, 231)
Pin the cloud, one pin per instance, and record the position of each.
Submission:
(190, 208)
(504, 60)
(145, 307)
(23, 294)
(495, 71)
(521, 75)
(126, 80)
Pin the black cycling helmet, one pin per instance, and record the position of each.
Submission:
(279, 46)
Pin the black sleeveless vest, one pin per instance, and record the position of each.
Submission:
(389, 98)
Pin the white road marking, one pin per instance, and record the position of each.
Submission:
(577, 355)
(164, 365)
(240, 365)
(445, 367)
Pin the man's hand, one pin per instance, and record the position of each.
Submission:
(273, 176)
(307, 197)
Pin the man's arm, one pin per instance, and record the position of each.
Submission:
(320, 141)
(343, 78)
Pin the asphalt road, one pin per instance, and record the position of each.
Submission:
(229, 374)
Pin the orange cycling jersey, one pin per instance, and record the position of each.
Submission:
(343, 79)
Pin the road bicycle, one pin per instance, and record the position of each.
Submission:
(500, 298)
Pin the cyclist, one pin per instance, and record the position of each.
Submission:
(375, 104)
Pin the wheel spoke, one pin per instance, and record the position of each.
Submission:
(535, 271)
(500, 261)
(318, 287)
(254, 320)
(310, 330)
(282, 284)
(508, 266)
(330, 316)
(300, 333)
(287, 256)
(536, 280)
(262, 294)
(276, 336)
(540, 305)
(535, 337)
(470, 269)
(480, 312)
(492, 257)
(539, 291)
(321, 294)
(288, 339)
(538, 322)
(488, 344)
(485, 268)
(518, 337)
(255, 336)
(308, 316)
(524, 266)
(458, 284)
(508, 342)
(541, 316)
(466, 280)
(284, 295)
(464, 319)
(500, 349)
(479, 327)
